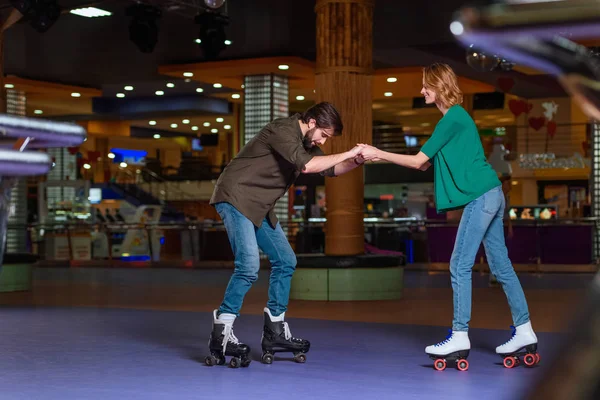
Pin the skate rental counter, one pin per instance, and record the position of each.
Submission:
(18, 134)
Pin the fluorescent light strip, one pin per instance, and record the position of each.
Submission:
(90, 12)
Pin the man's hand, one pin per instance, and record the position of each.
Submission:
(369, 153)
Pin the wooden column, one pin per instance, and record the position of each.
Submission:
(343, 78)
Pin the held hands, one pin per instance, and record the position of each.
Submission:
(364, 152)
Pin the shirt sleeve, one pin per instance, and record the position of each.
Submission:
(290, 147)
(330, 172)
(444, 131)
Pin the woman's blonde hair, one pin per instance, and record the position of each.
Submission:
(443, 81)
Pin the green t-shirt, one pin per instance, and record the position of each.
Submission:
(461, 171)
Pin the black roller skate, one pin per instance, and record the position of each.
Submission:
(222, 342)
(455, 348)
(523, 343)
(277, 338)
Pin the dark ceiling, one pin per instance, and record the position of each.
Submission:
(98, 52)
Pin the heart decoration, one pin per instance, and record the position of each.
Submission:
(516, 107)
(537, 122)
(505, 84)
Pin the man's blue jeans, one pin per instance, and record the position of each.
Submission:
(245, 240)
(482, 221)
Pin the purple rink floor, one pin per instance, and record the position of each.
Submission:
(89, 353)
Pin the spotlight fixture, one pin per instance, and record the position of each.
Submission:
(143, 30)
(41, 14)
(213, 39)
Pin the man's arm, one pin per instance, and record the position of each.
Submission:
(419, 161)
(322, 163)
(348, 165)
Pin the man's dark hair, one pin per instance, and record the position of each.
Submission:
(325, 116)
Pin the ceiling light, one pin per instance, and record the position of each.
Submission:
(217, 85)
(128, 88)
(111, 155)
(243, 86)
(299, 98)
(198, 41)
(185, 121)
(87, 166)
(220, 119)
(152, 122)
(38, 112)
(174, 126)
(156, 136)
(188, 74)
(159, 92)
(283, 67)
(388, 94)
(194, 128)
(123, 165)
(120, 95)
(199, 90)
(206, 124)
(227, 126)
(75, 94)
(235, 96)
(392, 79)
(9, 86)
(170, 85)
(228, 42)
(214, 130)
(91, 12)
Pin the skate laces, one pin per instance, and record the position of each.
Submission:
(514, 333)
(443, 342)
(286, 331)
(228, 336)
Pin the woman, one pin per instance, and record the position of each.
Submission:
(464, 179)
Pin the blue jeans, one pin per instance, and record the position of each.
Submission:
(245, 239)
(482, 221)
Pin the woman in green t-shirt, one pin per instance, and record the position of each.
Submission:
(463, 179)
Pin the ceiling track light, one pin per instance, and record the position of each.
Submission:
(143, 29)
(212, 36)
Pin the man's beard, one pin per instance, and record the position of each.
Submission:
(307, 141)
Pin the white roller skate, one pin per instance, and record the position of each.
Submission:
(454, 348)
(523, 342)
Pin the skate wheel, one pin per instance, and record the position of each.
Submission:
(220, 360)
(267, 358)
(300, 358)
(209, 361)
(462, 365)
(246, 362)
(439, 365)
(537, 358)
(530, 360)
(509, 362)
(234, 362)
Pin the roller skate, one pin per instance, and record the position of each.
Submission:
(222, 342)
(277, 338)
(523, 342)
(454, 348)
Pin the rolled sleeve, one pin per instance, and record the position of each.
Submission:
(442, 134)
(291, 149)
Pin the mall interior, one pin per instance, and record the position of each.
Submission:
(113, 259)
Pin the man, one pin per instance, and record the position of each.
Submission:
(244, 197)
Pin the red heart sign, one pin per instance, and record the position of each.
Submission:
(537, 123)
